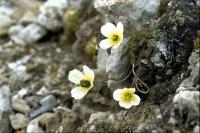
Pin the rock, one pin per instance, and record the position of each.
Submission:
(19, 121)
(99, 122)
(118, 66)
(34, 126)
(32, 33)
(100, 117)
(183, 110)
(102, 58)
(193, 60)
(58, 4)
(26, 35)
(20, 105)
(187, 98)
(14, 32)
(196, 129)
(29, 17)
(186, 101)
(5, 109)
(5, 24)
(22, 6)
(162, 47)
(19, 70)
(169, 72)
(63, 120)
(132, 10)
(161, 56)
(18, 77)
(51, 19)
(5, 98)
(158, 61)
(47, 104)
(23, 92)
(6, 9)
(192, 82)
(43, 91)
(19, 64)
(33, 100)
(83, 111)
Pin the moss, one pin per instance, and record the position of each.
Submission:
(163, 7)
(71, 20)
(105, 127)
(141, 42)
(197, 41)
(90, 47)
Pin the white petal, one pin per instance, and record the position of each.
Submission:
(120, 27)
(75, 76)
(136, 101)
(126, 105)
(133, 89)
(117, 94)
(88, 71)
(104, 44)
(107, 29)
(77, 93)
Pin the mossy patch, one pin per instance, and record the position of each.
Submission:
(71, 20)
(197, 41)
(141, 42)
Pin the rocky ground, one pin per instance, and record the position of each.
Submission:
(42, 40)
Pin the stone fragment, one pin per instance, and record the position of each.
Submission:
(128, 10)
(5, 24)
(19, 121)
(20, 105)
(47, 104)
(5, 109)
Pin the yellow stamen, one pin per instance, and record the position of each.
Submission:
(115, 38)
(127, 95)
(86, 83)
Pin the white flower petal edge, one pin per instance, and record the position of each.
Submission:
(104, 44)
(125, 105)
(136, 101)
(107, 29)
(88, 71)
(75, 76)
(77, 93)
(120, 27)
(116, 94)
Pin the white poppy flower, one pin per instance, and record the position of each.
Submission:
(84, 81)
(114, 35)
(126, 97)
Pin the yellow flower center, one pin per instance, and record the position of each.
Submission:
(115, 38)
(85, 83)
(127, 95)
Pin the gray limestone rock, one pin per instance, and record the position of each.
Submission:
(47, 104)
(26, 35)
(186, 101)
(5, 24)
(5, 109)
(128, 10)
(19, 121)
(20, 105)
(50, 18)
(102, 58)
(118, 65)
(34, 126)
